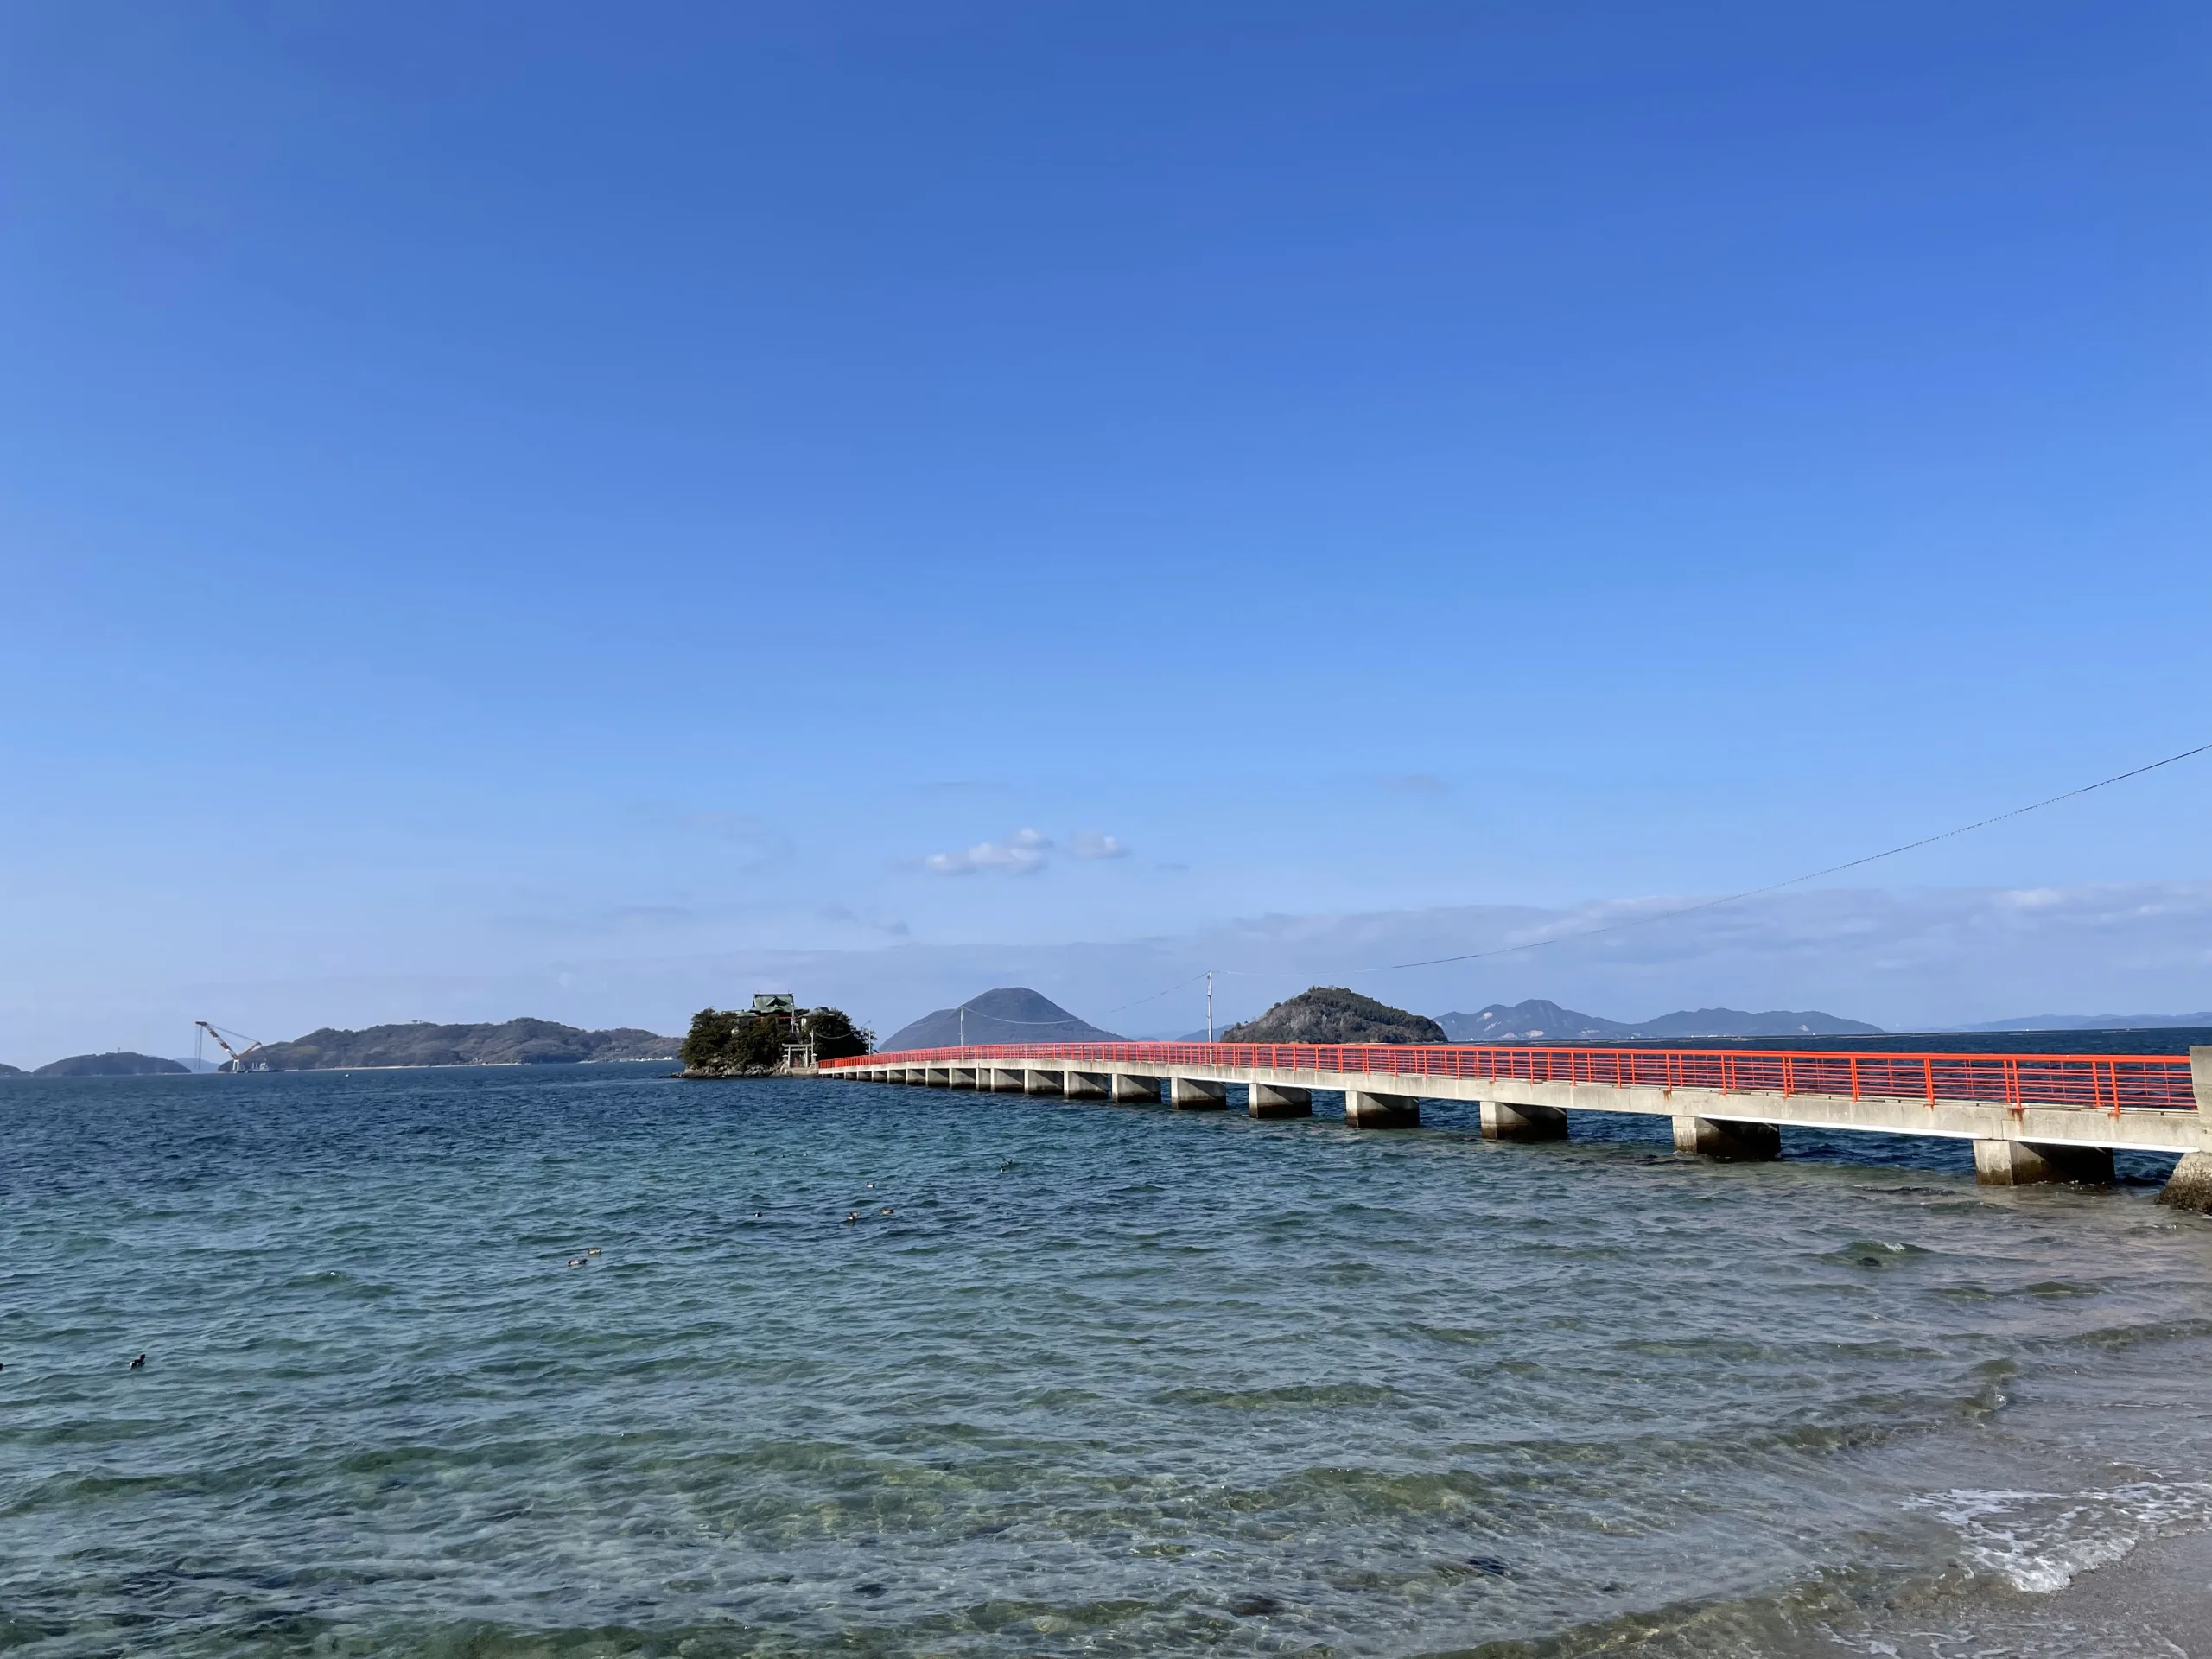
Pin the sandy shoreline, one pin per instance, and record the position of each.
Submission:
(2156, 1598)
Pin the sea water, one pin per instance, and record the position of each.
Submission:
(861, 1370)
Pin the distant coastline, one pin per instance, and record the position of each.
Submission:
(420, 1043)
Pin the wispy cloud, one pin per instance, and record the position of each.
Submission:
(756, 840)
(1092, 843)
(1021, 853)
(1903, 959)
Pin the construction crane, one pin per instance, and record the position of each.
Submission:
(239, 1056)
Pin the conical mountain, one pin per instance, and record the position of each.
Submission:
(1013, 1014)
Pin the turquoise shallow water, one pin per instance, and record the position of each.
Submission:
(1103, 1380)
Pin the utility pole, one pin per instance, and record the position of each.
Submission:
(1208, 1006)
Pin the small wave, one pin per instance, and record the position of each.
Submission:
(1873, 1253)
(2038, 1541)
(1294, 1397)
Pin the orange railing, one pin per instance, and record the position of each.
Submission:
(2109, 1082)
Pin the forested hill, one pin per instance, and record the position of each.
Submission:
(1012, 1014)
(516, 1042)
(118, 1062)
(1330, 1014)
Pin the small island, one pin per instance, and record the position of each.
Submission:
(513, 1042)
(732, 1043)
(1330, 1014)
(119, 1064)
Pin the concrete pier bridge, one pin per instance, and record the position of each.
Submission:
(2031, 1117)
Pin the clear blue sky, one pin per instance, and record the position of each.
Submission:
(490, 490)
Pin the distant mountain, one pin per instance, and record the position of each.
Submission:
(1734, 1022)
(2092, 1022)
(1014, 1014)
(11, 1071)
(516, 1042)
(120, 1064)
(197, 1064)
(1533, 1020)
(1538, 1020)
(1329, 1014)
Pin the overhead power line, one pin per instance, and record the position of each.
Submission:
(1689, 910)
(1795, 881)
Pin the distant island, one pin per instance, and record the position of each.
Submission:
(514, 1042)
(2092, 1022)
(119, 1064)
(1538, 1020)
(1329, 1014)
(1013, 1014)
(11, 1071)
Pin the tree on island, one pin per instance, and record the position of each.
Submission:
(1330, 1014)
(729, 1042)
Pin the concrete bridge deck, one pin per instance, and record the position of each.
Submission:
(2031, 1117)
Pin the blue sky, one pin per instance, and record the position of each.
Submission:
(557, 509)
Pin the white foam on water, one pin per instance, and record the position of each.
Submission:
(2039, 1541)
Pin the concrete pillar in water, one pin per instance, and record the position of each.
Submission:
(1197, 1095)
(1043, 1083)
(1085, 1085)
(2190, 1187)
(2020, 1163)
(962, 1077)
(1131, 1087)
(1280, 1100)
(1367, 1111)
(938, 1077)
(1504, 1122)
(1715, 1137)
(1006, 1080)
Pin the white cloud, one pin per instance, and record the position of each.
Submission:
(1906, 959)
(1022, 853)
(1091, 843)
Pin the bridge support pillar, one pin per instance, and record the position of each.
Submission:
(1197, 1095)
(1279, 1100)
(1127, 1087)
(1005, 1080)
(1366, 1110)
(1502, 1121)
(1713, 1137)
(1043, 1083)
(965, 1077)
(938, 1077)
(1084, 1085)
(2020, 1163)
(2190, 1187)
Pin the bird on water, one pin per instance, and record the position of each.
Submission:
(138, 1364)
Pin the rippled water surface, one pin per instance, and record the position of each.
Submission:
(867, 1370)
